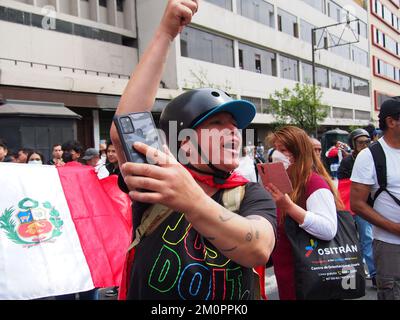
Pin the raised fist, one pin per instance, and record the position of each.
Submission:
(178, 14)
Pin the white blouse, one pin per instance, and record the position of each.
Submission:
(321, 218)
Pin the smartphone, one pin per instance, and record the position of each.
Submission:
(137, 127)
(276, 174)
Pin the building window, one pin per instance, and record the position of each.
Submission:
(361, 87)
(256, 101)
(287, 23)
(362, 115)
(257, 10)
(289, 68)
(240, 58)
(227, 4)
(321, 75)
(341, 113)
(340, 82)
(305, 31)
(335, 11)
(35, 20)
(386, 15)
(384, 41)
(386, 70)
(262, 105)
(205, 46)
(120, 5)
(363, 31)
(343, 50)
(103, 3)
(360, 56)
(317, 4)
(257, 59)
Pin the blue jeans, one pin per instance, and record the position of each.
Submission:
(365, 233)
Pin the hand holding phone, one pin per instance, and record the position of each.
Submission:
(276, 174)
(137, 127)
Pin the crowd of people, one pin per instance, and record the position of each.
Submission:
(103, 160)
(236, 224)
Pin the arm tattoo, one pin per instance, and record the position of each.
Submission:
(229, 250)
(249, 236)
(226, 215)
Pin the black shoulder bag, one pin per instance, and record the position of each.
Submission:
(327, 270)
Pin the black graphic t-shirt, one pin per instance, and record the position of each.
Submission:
(176, 262)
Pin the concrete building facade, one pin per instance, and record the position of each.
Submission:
(80, 53)
(385, 50)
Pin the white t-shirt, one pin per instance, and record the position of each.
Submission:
(247, 169)
(101, 170)
(364, 172)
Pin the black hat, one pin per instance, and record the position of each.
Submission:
(390, 107)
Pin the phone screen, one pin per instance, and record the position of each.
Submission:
(137, 127)
(276, 174)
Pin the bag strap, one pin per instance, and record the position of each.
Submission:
(151, 219)
(378, 154)
(156, 214)
(232, 198)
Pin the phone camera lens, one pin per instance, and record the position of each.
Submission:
(127, 125)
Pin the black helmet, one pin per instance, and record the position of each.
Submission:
(193, 107)
(355, 134)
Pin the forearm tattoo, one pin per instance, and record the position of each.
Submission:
(229, 250)
(226, 215)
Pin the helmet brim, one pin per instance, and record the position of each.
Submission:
(241, 110)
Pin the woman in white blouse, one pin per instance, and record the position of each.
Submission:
(312, 204)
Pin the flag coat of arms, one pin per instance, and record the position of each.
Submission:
(61, 230)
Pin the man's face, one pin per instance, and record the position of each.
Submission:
(70, 155)
(57, 152)
(220, 141)
(361, 143)
(317, 147)
(93, 162)
(395, 121)
(3, 153)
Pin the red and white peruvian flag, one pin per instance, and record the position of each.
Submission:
(61, 230)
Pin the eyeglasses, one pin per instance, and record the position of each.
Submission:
(363, 142)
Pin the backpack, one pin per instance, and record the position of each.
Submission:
(378, 154)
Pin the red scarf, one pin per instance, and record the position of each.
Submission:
(233, 181)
